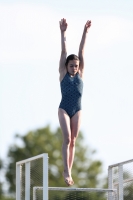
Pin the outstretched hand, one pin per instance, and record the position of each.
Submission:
(63, 24)
(87, 25)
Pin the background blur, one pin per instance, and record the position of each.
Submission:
(29, 57)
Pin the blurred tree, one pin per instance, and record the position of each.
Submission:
(85, 172)
(128, 191)
(2, 196)
(128, 185)
(1, 184)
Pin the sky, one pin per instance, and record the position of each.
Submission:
(29, 58)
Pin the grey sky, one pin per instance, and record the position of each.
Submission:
(30, 50)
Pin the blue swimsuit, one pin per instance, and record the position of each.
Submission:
(71, 89)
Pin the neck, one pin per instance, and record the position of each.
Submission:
(72, 75)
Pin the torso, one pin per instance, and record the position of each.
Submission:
(71, 89)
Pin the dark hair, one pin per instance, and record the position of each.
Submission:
(71, 57)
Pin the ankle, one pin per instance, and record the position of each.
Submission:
(66, 172)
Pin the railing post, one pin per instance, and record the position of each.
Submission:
(18, 181)
(27, 181)
(110, 182)
(34, 193)
(120, 182)
(45, 177)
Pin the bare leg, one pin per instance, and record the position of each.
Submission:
(75, 126)
(65, 126)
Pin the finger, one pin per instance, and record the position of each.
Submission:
(88, 24)
(64, 21)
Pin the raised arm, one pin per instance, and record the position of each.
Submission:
(63, 27)
(82, 45)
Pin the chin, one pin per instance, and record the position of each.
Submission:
(73, 74)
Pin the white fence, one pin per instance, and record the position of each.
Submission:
(32, 181)
(77, 193)
(30, 172)
(120, 177)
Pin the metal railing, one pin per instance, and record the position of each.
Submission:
(25, 177)
(119, 175)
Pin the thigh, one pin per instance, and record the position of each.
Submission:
(75, 124)
(64, 120)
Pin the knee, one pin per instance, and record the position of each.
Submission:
(73, 141)
(67, 141)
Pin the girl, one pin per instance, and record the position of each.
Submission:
(71, 70)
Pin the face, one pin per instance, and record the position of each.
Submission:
(73, 67)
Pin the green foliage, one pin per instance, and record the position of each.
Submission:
(85, 169)
(1, 164)
(6, 198)
(85, 172)
(1, 184)
(1, 191)
(76, 195)
(128, 191)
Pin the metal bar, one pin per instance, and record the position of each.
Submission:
(82, 189)
(76, 189)
(110, 182)
(30, 159)
(18, 182)
(121, 163)
(27, 181)
(125, 181)
(120, 182)
(34, 193)
(110, 178)
(45, 176)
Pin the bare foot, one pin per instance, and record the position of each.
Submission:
(67, 178)
(71, 181)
